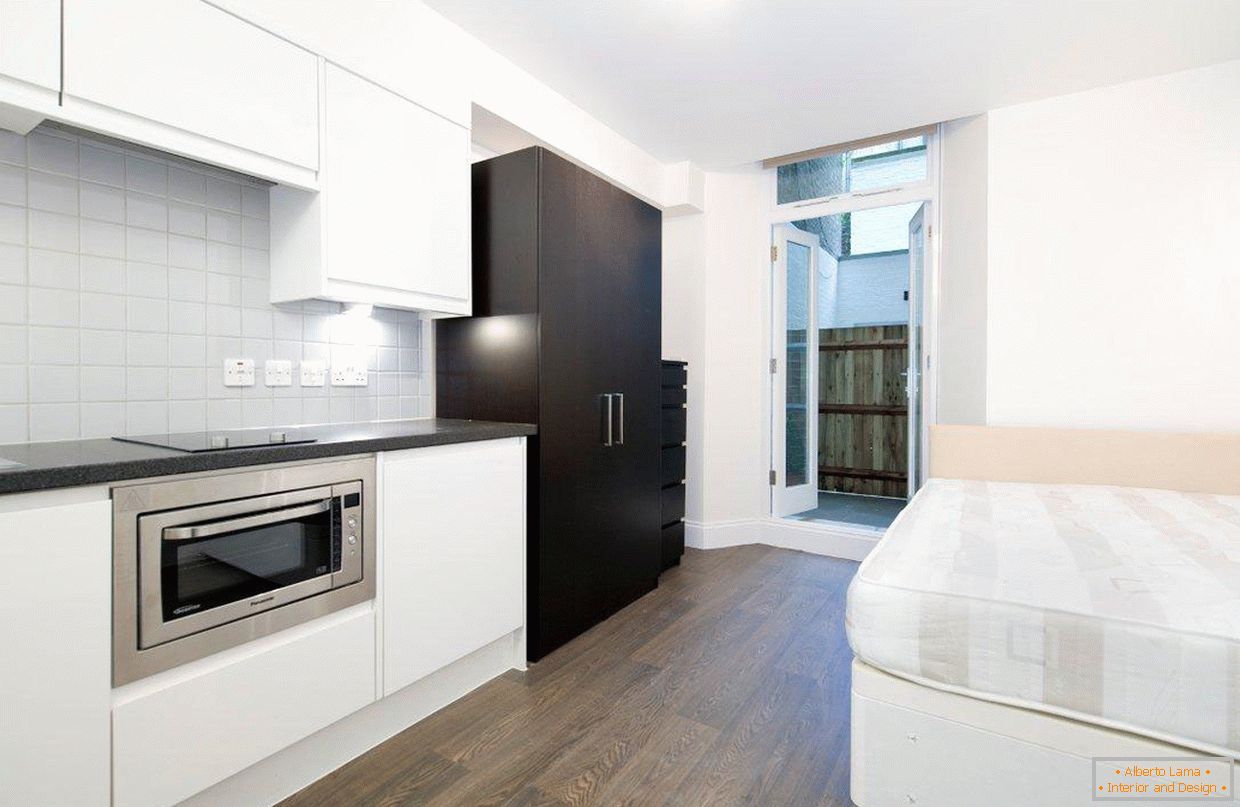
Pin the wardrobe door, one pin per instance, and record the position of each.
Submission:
(630, 273)
(577, 465)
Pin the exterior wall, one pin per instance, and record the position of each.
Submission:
(868, 290)
(125, 281)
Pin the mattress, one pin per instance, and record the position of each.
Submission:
(1115, 606)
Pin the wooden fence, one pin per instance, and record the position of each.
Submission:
(862, 411)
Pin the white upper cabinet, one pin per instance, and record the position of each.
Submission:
(406, 47)
(391, 225)
(29, 61)
(188, 78)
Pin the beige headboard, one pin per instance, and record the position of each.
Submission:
(1203, 462)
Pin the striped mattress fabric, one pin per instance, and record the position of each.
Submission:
(1110, 605)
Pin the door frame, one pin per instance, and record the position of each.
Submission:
(928, 193)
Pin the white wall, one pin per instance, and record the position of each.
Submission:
(962, 277)
(684, 286)
(735, 438)
(869, 290)
(1114, 281)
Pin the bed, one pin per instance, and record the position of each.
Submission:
(1048, 597)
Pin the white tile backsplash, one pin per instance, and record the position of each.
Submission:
(102, 165)
(125, 281)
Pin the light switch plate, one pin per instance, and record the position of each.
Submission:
(350, 374)
(278, 373)
(313, 373)
(238, 372)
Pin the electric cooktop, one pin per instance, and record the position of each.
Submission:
(197, 442)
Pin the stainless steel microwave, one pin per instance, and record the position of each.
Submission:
(207, 562)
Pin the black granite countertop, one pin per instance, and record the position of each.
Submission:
(68, 463)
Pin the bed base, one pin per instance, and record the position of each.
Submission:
(916, 745)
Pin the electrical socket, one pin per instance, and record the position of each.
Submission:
(278, 373)
(313, 373)
(349, 375)
(238, 372)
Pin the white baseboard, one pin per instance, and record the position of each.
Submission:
(833, 540)
(281, 775)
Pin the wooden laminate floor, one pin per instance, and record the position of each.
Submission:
(727, 685)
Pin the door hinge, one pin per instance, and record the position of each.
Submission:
(773, 478)
(774, 366)
(774, 253)
(929, 231)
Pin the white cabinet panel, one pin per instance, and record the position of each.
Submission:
(391, 225)
(30, 41)
(198, 72)
(56, 648)
(453, 554)
(174, 738)
(397, 178)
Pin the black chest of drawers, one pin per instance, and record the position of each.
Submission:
(674, 378)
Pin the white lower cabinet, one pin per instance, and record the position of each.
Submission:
(453, 560)
(55, 647)
(176, 734)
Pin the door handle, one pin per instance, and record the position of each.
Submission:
(245, 522)
(608, 417)
(620, 418)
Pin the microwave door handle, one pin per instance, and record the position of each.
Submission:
(245, 522)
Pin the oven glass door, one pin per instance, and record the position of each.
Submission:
(209, 565)
(200, 573)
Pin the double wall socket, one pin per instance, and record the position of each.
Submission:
(349, 375)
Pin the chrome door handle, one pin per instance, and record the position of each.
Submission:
(245, 522)
(608, 417)
(620, 440)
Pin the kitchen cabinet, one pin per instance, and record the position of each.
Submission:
(453, 553)
(179, 732)
(55, 631)
(390, 225)
(29, 61)
(191, 79)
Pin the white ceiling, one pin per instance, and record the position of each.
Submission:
(724, 82)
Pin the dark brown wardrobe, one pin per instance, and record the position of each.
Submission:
(566, 335)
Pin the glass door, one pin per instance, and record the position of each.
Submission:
(916, 347)
(794, 365)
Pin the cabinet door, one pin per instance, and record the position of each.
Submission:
(56, 635)
(30, 42)
(396, 186)
(193, 68)
(453, 553)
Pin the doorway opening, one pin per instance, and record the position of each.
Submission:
(847, 342)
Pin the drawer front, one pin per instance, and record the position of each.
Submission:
(674, 396)
(674, 375)
(673, 504)
(171, 743)
(673, 544)
(673, 465)
(673, 427)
